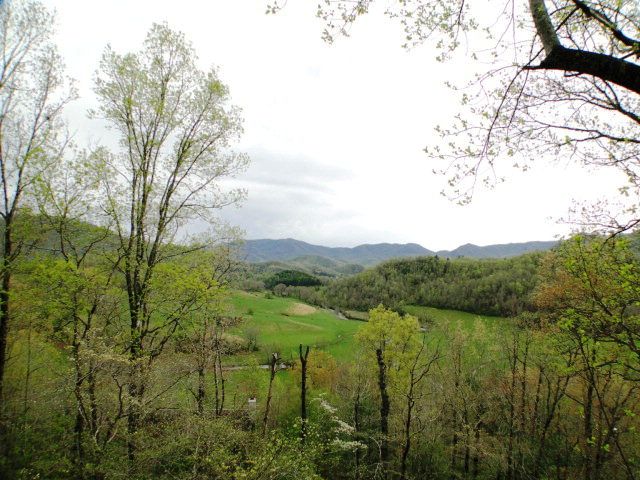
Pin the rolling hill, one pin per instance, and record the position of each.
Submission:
(288, 249)
(343, 258)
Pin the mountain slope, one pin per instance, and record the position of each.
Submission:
(321, 267)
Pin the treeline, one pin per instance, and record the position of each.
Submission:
(500, 287)
(292, 278)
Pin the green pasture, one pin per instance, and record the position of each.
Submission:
(278, 326)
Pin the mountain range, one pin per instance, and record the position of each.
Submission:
(289, 249)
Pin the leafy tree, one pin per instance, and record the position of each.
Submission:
(590, 295)
(175, 126)
(394, 340)
(33, 92)
(592, 289)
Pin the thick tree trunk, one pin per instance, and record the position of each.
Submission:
(603, 66)
(513, 361)
(93, 402)
(4, 328)
(476, 452)
(454, 413)
(588, 431)
(136, 390)
(467, 444)
(220, 377)
(216, 387)
(78, 429)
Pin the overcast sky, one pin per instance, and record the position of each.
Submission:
(335, 132)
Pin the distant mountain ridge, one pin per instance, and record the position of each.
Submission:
(267, 250)
(502, 250)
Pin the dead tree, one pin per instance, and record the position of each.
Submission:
(273, 369)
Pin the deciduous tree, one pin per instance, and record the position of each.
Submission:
(175, 127)
(33, 92)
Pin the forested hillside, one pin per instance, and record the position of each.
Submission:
(489, 287)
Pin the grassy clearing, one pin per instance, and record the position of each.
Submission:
(484, 333)
(442, 318)
(281, 324)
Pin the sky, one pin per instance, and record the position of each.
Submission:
(335, 132)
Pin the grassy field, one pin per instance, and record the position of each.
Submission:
(281, 324)
(440, 318)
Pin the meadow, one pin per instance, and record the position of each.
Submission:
(281, 324)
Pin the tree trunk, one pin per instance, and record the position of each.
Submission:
(476, 453)
(136, 392)
(356, 425)
(513, 361)
(93, 402)
(220, 377)
(303, 393)
(407, 433)
(467, 443)
(4, 307)
(201, 390)
(272, 376)
(216, 387)
(588, 430)
(454, 412)
(78, 429)
(385, 408)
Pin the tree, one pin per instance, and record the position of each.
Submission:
(175, 126)
(564, 83)
(590, 295)
(273, 369)
(303, 390)
(394, 340)
(591, 290)
(33, 92)
(419, 365)
(75, 281)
